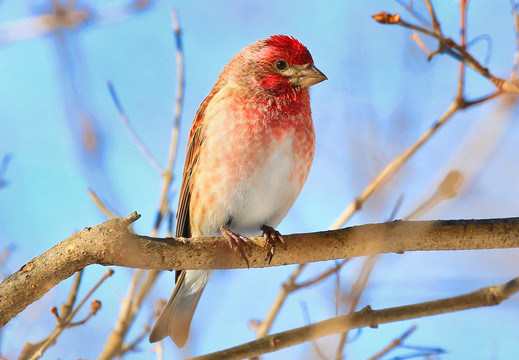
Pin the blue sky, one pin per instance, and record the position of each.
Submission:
(380, 96)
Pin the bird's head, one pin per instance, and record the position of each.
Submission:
(279, 65)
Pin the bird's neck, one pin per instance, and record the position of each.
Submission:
(287, 104)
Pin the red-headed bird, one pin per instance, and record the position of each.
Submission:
(250, 149)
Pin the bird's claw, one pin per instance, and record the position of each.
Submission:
(237, 240)
(272, 236)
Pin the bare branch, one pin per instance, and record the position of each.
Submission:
(35, 351)
(489, 296)
(111, 243)
(451, 48)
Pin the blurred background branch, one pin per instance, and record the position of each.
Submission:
(488, 296)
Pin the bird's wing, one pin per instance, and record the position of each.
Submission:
(195, 142)
(183, 228)
(194, 146)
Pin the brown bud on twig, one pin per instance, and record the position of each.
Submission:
(386, 18)
(95, 306)
(54, 311)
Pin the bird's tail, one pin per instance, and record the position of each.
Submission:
(175, 320)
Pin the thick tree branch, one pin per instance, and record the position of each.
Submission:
(111, 243)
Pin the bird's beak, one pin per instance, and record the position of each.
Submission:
(306, 76)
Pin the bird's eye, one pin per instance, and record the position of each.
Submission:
(281, 65)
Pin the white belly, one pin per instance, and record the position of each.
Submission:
(265, 197)
(257, 195)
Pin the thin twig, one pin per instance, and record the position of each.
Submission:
(394, 344)
(265, 325)
(177, 34)
(414, 36)
(484, 98)
(411, 11)
(133, 345)
(67, 307)
(393, 167)
(324, 275)
(3, 169)
(132, 303)
(337, 293)
(95, 306)
(115, 341)
(65, 321)
(448, 189)
(315, 346)
(288, 287)
(353, 299)
(133, 134)
(463, 44)
(173, 146)
(107, 274)
(109, 213)
(515, 68)
(434, 19)
(283, 293)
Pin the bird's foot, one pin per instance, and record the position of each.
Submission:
(272, 236)
(237, 240)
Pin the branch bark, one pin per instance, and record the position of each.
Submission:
(111, 243)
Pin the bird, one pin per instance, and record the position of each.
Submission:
(249, 152)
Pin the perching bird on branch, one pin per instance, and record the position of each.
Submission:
(250, 149)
